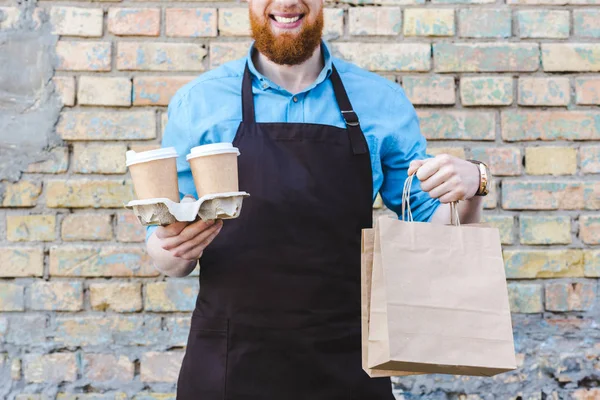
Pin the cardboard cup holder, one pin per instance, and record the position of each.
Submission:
(163, 211)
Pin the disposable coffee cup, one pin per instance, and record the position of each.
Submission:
(214, 168)
(154, 173)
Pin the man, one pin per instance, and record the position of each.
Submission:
(278, 314)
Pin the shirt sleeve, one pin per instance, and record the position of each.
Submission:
(398, 149)
(177, 134)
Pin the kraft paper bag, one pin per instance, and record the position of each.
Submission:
(435, 299)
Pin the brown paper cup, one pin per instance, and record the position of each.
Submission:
(154, 174)
(214, 168)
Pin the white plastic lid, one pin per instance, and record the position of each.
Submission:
(212, 149)
(133, 157)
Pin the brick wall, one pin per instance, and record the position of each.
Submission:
(516, 84)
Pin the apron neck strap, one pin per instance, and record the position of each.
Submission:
(359, 145)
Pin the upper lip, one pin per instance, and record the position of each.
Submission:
(286, 15)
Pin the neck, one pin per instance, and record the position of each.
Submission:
(293, 78)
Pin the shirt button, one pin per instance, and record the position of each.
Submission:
(295, 99)
(265, 85)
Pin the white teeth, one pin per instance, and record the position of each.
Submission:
(284, 20)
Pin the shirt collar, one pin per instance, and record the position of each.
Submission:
(265, 83)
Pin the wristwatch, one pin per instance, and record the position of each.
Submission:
(484, 178)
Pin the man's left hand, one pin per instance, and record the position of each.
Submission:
(446, 177)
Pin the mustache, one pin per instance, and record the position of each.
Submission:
(293, 9)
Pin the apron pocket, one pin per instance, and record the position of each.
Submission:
(203, 368)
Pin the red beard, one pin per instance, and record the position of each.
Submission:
(285, 48)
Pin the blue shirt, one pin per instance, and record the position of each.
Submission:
(209, 110)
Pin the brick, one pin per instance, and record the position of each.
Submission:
(587, 91)
(430, 90)
(485, 23)
(334, 23)
(155, 396)
(94, 261)
(542, 195)
(453, 151)
(386, 56)
(16, 262)
(65, 88)
(12, 297)
(178, 330)
(103, 331)
(234, 22)
(96, 158)
(486, 57)
(589, 229)
(119, 297)
(108, 368)
(9, 17)
(220, 53)
(50, 368)
(571, 57)
(457, 125)
(20, 194)
(585, 394)
(27, 228)
(172, 295)
(56, 296)
(106, 125)
(486, 91)
(504, 224)
(86, 227)
(83, 56)
(552, 2)
(585, 22)
(30, 330)
(134, 21)
(154, 56)
(462, 1)
(502, 161)
(553, 125)
(591, 194)
(428, 22)
(56, 161)
(157, 90)
(552, 24)
(86, 193)
(191, 22)
(545, 229)
(15, 369)
(92, 396)
(570, 296)
(129, 228)
(525, 298)
(160, 367)
(531, 264)
(592, 263)
(555, 160)
(104, 91)
(544, 91)
(374, 21)
(76, 21)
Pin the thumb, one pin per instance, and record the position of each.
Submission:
(414, 166)
(174, 229)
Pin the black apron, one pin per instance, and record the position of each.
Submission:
(278, 314)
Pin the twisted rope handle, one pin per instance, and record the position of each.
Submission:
(407, 212)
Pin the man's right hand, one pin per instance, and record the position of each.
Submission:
(187, 240)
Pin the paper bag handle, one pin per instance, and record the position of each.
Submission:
(407, 213)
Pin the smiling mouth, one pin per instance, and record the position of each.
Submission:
(286, 20)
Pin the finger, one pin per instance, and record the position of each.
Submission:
(428, 169)
(442, 175)
(441, 190)
(414, 165)
(174, 229)
(190, 232)
(194, 252)
(184, 247)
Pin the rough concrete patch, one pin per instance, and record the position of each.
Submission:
(29, 106)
